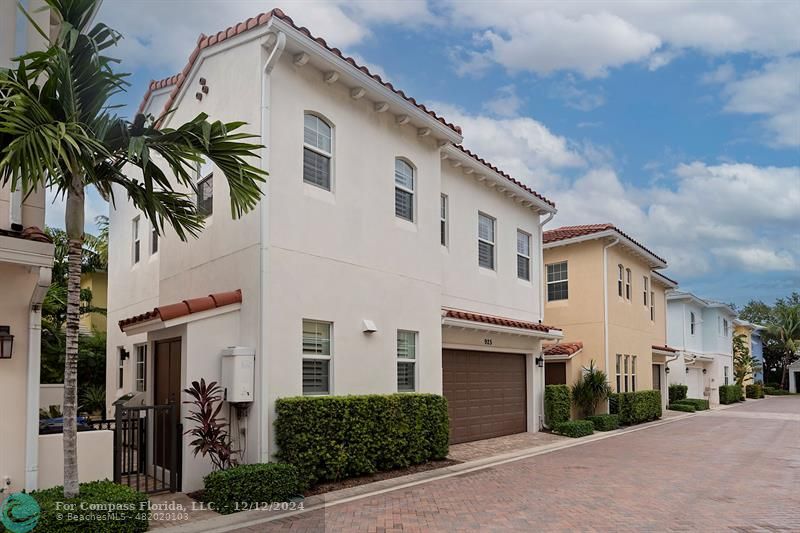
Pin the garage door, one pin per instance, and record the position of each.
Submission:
(486, 394)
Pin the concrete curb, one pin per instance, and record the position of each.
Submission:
(243, 519)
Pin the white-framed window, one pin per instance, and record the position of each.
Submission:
(557, 281)
(620, 280)
(627, 283)
(523, 255)
(317, 151)
(646, 289)
(627, 371)
(633, 373)
(486, 233)
(205, 195)
(727, 371)
(141, 368)
(153, 240)
(317, 354)
(619, 372)
(724, 327)
(136, 240)
(406, 360)
(404, 182)
(692, 322)
(443, 213)
(652, 306)
(122, 354)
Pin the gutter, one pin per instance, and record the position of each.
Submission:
(33, 375)
(605, 307)
(263, 280)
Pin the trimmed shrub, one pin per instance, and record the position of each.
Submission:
(604, 422)
(677, 392)
(698, 403)
(755, 390)
(335, 437)
(613, 403)
(685, 407)
(776, 391)
(638, 407)
(229, 490)
(556, 404)
(729, 394)
(127, 509)
(574, 428)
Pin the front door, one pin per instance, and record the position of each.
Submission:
(167, 369)
(657, 377)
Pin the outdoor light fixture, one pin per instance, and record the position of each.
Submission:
(687, 369)
(540, 361)
(705, 370)
(666, 370)
(6, 342)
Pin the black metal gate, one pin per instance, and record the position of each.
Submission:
(147, 447)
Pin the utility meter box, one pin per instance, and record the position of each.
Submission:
(238, 374)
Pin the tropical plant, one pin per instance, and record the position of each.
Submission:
(590, 389)
(210, 431)
(786, 331)
(779, 351)
(94, 399)
(744, 365)
(58, 131)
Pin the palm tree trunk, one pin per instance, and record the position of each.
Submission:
(74, 227)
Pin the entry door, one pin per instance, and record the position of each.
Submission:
(167, 379)
(657, 377)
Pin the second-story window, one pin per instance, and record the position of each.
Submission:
(724, 327)
(627, 283)
(645, 289)
(557, 282)
(620, 280)
(692, 322)
(443, 208)
(652, 306)
(205, 195)
(523, 255)
(403, 190)
(136, 240)
(317, 151)
(486, 226)
(153, 241)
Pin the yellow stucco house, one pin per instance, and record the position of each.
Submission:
(604, 291)
(97, 282)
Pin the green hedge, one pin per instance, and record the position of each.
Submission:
(677, 392)
(336, 437)
(613, 403)
(685, 407)
(755, 390)
(265, 482)
(637, 407)
(556, 404)
(772, 391)
(698, 403)
(574, 428)
(604, 422)
(128, 515)
(729, 394)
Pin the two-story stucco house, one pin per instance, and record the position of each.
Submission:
(702, 332)
(604, 291)
(383, 258)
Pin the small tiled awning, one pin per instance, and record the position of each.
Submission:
(165, 313)
(457, 317)
(563, 351)
(664, 349)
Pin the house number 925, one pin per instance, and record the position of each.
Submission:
(487, 342)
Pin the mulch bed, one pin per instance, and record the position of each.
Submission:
(377, 476)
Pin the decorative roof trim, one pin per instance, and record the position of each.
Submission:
(184, 308)
(573, 234)
(457, 317)
(562, 351)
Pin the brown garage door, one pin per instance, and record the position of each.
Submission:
(485, 392)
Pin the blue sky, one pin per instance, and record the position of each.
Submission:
(679, 122)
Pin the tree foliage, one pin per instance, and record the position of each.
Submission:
(590, 389)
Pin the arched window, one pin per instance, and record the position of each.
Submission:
(404, 182)
(317, 151)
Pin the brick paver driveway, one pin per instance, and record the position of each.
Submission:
(731, 469)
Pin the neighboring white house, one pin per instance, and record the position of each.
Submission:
(794, 377)
(702, 332)
(383, 257)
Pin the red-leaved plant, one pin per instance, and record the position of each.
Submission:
(211, 430)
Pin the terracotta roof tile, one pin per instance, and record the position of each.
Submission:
(505, 175)
(564, 348)
(571, 232)
(204, 42)
(31, 233)
(186, 307)
(495, 320)
(665, 348)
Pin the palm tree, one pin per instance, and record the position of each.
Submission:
(786, 331)
(590, 389)
(57, 130)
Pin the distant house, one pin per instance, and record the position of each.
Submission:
(97, 282)
(752, 334)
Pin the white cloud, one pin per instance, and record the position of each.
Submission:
(722, 74)
(568, 91)
(506, 103)
(758, 259)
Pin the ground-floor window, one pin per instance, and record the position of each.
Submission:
(627, 370)
(727, 372)
(619, 372)
(123, 354)
(317, 354)
(141, 367)
(633, 373)
(406, 360)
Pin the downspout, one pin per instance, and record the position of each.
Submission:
(34, 371)
(605, 308)
(542, 286)
(263, 280)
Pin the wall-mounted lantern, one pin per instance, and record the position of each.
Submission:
(705, 370)
(687, 369)
(666, 370)
(540, 361)
(6, 342)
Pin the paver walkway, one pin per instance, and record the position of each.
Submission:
(722, 470)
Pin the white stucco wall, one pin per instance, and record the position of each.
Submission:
(95, 458)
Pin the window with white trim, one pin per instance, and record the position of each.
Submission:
(122, 354)
(205, 195)
(557, 281)
(523, 255)
(136, 249)
(627, 370)
(153, 240)
(486, 232)
(724, 327)
(317, 151)
(692, 322)
(619, 372)
(404, 178)
(141, 368)
(645, 289)
(727, 371)
(406, 360)
(316, 357)
(627, 283)
(652, 306)
(443, 208)
(633, 373)
(620, 280)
